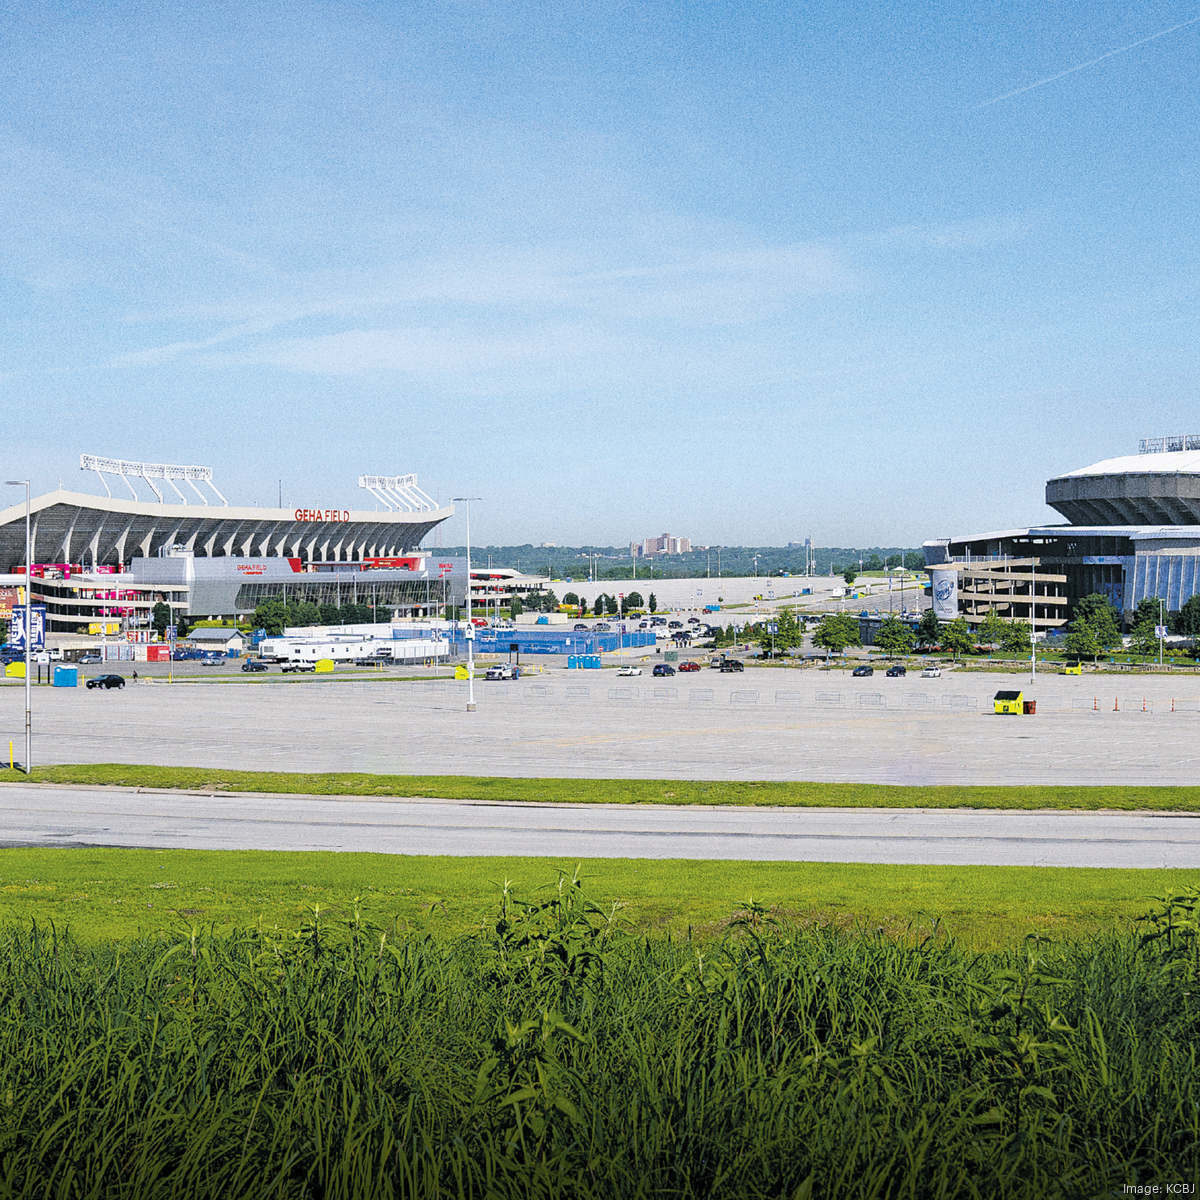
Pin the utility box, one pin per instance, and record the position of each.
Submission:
(1010, 702)
(66, 676)
(1030, 708)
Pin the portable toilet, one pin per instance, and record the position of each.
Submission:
(66, 676)
(1009, 702)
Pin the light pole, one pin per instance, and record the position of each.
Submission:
(28, 625)
(1161, 630)
(470, 624)
(1032, 619)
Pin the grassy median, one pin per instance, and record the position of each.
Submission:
(117, 894)
(617, 791)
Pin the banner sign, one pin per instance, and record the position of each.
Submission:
(16, 637)
(945, 592)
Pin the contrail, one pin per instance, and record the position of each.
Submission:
(1071, 70)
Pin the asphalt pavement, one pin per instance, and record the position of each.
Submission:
(768, 723)
(77, 817)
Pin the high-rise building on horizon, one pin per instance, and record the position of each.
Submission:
(664, 544)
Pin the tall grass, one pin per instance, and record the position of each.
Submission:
(557, 1055)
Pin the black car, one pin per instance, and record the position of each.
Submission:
(733, 664)
(863, 671)
(254, 664)
(897, 671)
(107, 681)
(663, 669)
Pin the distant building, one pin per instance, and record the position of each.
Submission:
(1133, 535)
(664, 544)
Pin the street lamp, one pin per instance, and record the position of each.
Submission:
(28, 624)
(470, 624)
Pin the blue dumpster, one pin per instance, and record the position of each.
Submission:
(66, 676)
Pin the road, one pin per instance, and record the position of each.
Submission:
(73, 817)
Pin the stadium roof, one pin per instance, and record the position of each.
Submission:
(70, 527)
(1172, 463)
(1136, 489)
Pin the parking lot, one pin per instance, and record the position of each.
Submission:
(763, 724)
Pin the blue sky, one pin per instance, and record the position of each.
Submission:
(744, 272)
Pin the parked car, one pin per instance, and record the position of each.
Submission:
(632, 670)
(733, 664)
(863, 670)
(932, 672)
(106, 681)
(503, 671)
(288, 668)
(90, 659)
(603, 627)
(689, 666)
(674, 624)
(580, 627)
(213, 660)
(663, 669)
(896, 671)
(693, 620)
(254, 664)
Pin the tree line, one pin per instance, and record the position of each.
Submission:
(612, 606)
(274, 615)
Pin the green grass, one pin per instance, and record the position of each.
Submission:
(554, 1054)
(112, 894)
(620, 791)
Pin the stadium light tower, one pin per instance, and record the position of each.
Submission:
(470, 624)
(28, 623)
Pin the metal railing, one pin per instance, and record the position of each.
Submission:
(1166, 445)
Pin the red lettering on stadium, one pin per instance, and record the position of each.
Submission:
(322, 514)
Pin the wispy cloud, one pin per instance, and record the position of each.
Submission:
(577, 308)
(1083, 66)
(427, 351)
(958, 235)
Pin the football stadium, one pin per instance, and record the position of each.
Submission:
(101, 559)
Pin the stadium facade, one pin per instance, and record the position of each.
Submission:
(105, 560)
(1133, 533)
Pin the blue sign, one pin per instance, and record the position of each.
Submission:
(16, 636)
